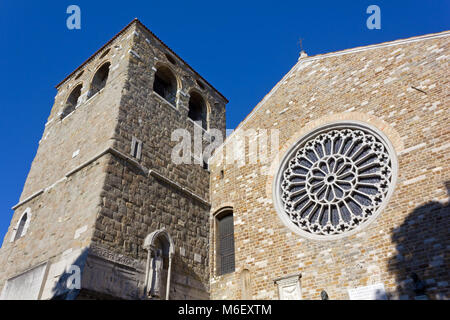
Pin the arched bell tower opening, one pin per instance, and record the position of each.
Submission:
(198, 110)
(99, 80)
(72, 101)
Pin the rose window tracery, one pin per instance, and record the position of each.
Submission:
(335, 181)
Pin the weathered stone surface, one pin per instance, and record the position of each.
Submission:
(373, 85)
(91, 197)
(92, 204)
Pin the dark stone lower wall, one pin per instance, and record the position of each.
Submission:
(136, 204)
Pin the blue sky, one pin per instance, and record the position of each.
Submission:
(241, 47)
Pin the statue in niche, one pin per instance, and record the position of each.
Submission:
(160, 249)
(156, 290)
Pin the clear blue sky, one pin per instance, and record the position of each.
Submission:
(243, 48)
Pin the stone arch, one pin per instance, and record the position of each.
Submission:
(223, 208)
(105, 53)
(161, 250)
(99, 79)
(216, 210)
(72, 100)
(151, 240)
(166, 84)
(198, 108)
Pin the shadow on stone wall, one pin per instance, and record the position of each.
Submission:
(189, 283)
(186, 283)
(73, 284)
(69, 283)
(421, 264)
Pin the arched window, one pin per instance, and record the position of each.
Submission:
(225, 242)
(197, 109)
(104, 54)
(171, 59)
(72, 101)
(99, 80)
(22, 225)
(165, 84)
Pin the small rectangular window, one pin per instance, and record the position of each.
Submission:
(205, 165)
(136, 148)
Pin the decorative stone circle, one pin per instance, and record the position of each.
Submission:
(335, 181)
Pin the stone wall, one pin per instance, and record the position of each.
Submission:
(151, 119)
(66, 177)
(62, 220)
(92, 203)
(137, 203)
(87, 131)
(401, 88)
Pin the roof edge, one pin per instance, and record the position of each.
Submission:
(321, 56)
(379, 45)
(95, 53)
(136, 20)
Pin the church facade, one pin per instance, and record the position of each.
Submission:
(342, 191)
(334, 186)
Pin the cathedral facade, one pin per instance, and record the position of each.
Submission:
(342, 191)
(334, 186)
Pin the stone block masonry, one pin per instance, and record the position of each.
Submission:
(400, 88)
(103, 179)
(92, 202)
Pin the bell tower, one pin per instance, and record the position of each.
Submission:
(105, 212)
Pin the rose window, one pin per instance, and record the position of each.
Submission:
(335, 181)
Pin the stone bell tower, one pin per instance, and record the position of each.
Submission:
(105, 212)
